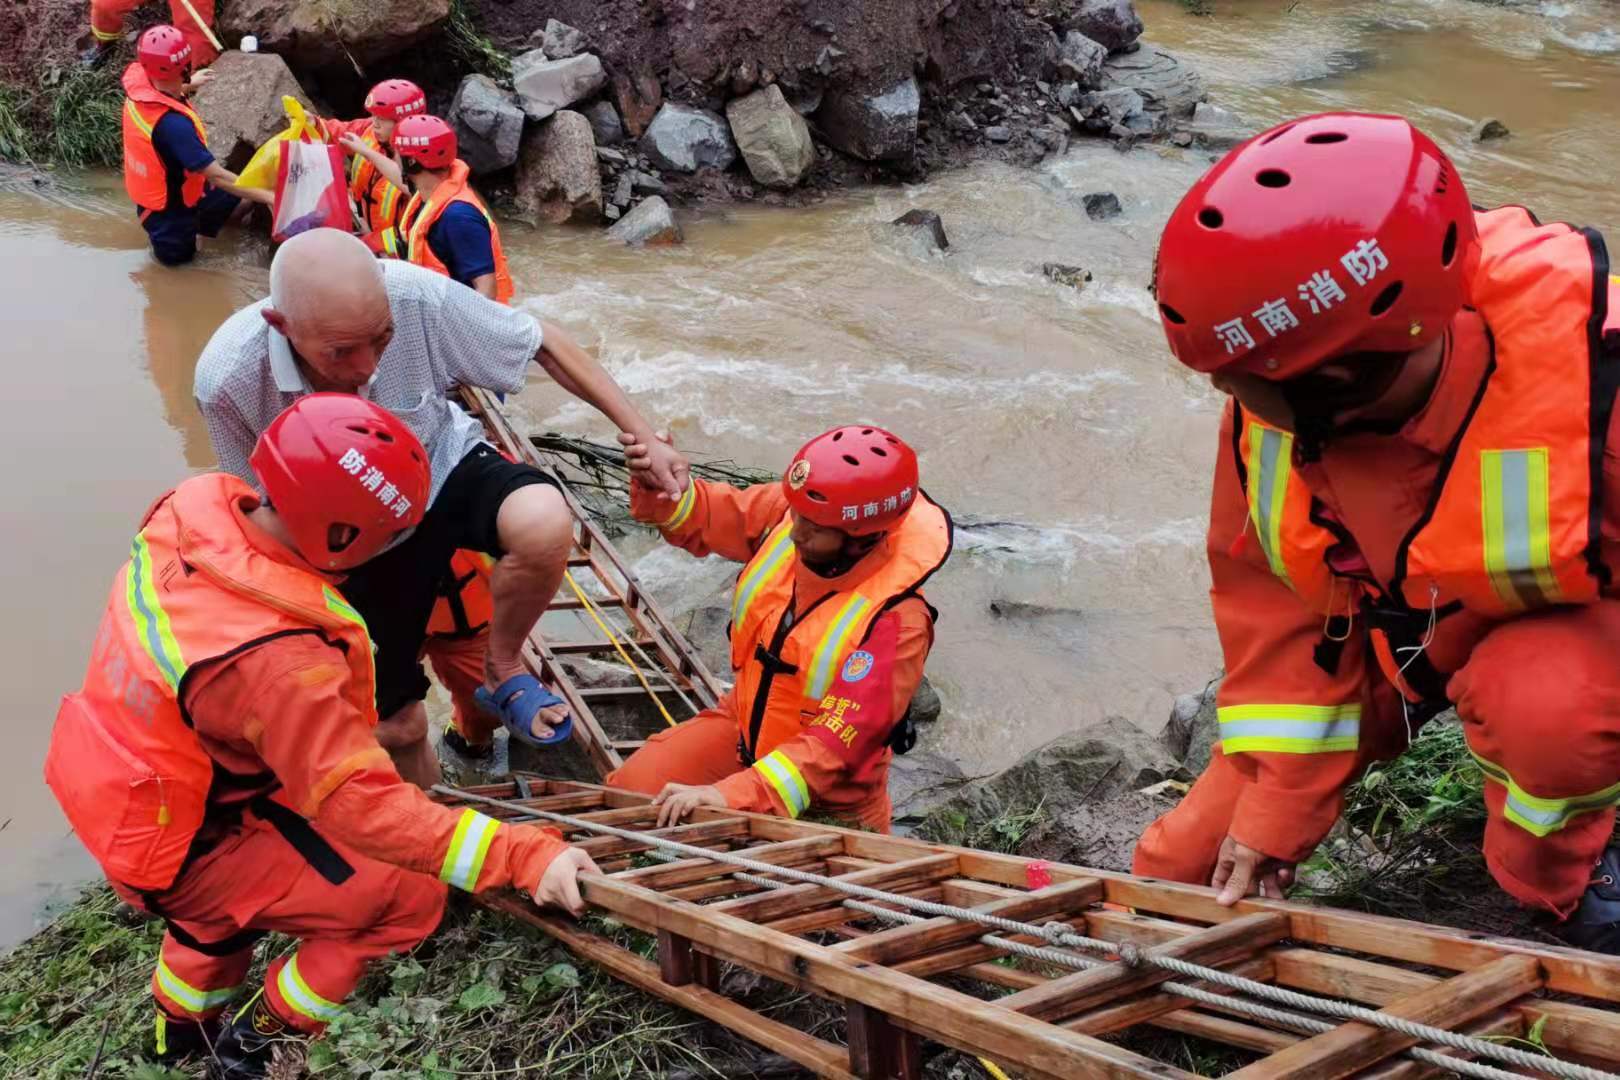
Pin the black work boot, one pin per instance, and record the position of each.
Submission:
(178, 1037)
(456, 741)
(1596, 922)
(245, 1045)
(93, 52)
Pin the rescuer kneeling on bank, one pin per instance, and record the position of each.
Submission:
(220, 762)
(1416, 505)
(829, 631)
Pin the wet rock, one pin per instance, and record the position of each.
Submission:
(925, 704)
(1113, 24)
(639, 96)
(1075, 277)
(1214, 128)
(920, 783)
(623, 192)
(998, 133)
(926, 223)
(873, 127)
(1488, 129)
(1055, 140)
(557, 177)
(607, 155)
(773, 138)
(605, 124)
(1101, 205)
(1068, 94)
(705, 627)
(651, 222)
(1104, 109)
(562, 41)
(317, 33)
(1166, 85)
(610, 212)
(488, 123)
(543, 86)
(1081, 59)
(1087, 785)
(1193, 728)
(647, 182)
(687, 139)
(1181, 138)
(243, 103)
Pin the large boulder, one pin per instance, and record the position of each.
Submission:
(773, 137)
(1167, 86)
(1080, 59)
(543, 86)
(638, 95)
(651, 222)
(488, 123)
(1114, 24)
(686, 139)
(1194, 728)
(1215, 128)
(873, 127)
(920, 783)
(242, 104)
(317, 33)
(557, 176)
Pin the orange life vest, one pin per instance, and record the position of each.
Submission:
(465, 604)
(1512, 523)
(380, 203)
(145, 177)
(784, 672)
(420, 215)
(124, 760)
(1280, 513)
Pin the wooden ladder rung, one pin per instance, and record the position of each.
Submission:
(800, 898)
(902, 942)
(695, 869)
(1351, 1047)
(602, 847)
(573, 603)
(577, 648)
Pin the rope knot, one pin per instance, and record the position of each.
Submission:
(1130, 955)
(1054, 932)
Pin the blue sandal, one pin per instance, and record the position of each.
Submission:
(517, 701)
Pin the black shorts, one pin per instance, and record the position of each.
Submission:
(396, 590)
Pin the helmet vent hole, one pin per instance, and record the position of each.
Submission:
(1321, 138)
(1275, 135)
(866, 431)
(837, 435)
(816, 496)
(892, 440)
(1172, 315)
(1448, 249)
(879, 451)
(1273, 178)
(1211, 218)
(1386, 299)
(852, 460)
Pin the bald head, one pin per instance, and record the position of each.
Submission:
(328, 298)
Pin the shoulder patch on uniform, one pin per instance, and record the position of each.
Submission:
(858, 666)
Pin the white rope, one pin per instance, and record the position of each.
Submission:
(1057, 933)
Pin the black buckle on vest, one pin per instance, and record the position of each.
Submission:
(1404, 629)
(903, 736)
(304, 839)
(773, 663)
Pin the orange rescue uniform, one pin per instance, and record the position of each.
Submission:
(378, 203)
(420, 214)
(1463, 559)
(825, 667)
(107, 24)
(145, 178)
(220, 764)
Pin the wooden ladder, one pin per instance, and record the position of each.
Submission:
(934, 981)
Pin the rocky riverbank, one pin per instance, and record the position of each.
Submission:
(575, 111)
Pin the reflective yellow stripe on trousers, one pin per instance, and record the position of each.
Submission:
(1518, 539)
(191, 998)
(297, 994)
(1271, 459)
(1539, 816)
(1289, 729)
(784, 777)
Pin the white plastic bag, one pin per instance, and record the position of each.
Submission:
(310, 190)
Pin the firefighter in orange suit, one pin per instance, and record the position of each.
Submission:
(445, 225)
(1416, 505)
(107, 26)
(829, 632)
(219, 760)
(378, 202)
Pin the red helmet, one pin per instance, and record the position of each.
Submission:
(1327, 235)
(163, 52)
(337, 459)
(858, 480)
(426, 139)
(395, 99)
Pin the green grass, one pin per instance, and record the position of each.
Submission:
(995, 826)
(469, 45)
(71, 117)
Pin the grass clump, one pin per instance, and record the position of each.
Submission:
(71, 117)
(472, 48)
(989, 824)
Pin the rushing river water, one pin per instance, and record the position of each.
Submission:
(1053, 423)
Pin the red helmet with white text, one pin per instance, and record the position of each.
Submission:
(163, 52)
(856, 479)
(1325, 236)
(426, 139)
(396, 99)
(344, 475)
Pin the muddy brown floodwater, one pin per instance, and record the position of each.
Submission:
(1075, 454)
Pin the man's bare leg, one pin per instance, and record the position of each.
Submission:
(536, 532)
(405, 736)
